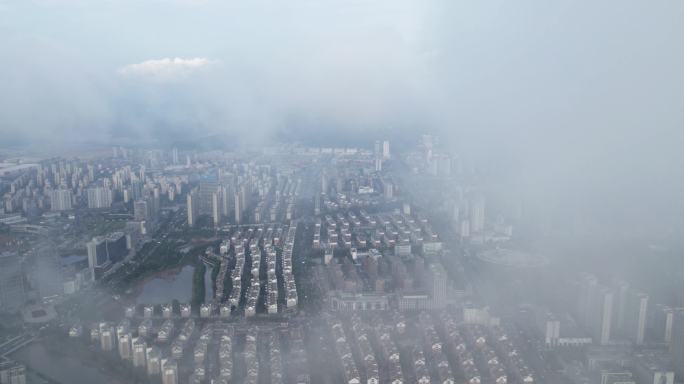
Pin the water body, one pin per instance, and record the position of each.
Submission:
(167, 287)
(61, 368)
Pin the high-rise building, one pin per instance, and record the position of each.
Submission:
(153, 357)
(60, 199)
(207, 187)
(12, 372)
(663, 319)
(136, 189)
(238, 208)
(97, 252)
(386, 149)
(107, 337)
(621, 294)
(156, 203)
(635, 316)
(142, 210)
(677, 346)
(174, 156)
(139, 352)
(117, 247)
(603, 310)
(104, 251)
(595, 308)
(193, 209)
(170, 372)
(216, 207)
(126, 346)
(477, 215)
(388, 189)
(439, 285)
(99, 197)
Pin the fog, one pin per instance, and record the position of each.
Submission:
(566, 116)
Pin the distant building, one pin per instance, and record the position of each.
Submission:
(595, 308)
(386, 149)
(663, 319)
(677, 346)
(635, 316)
(207, 188)
(193, 208)
(439, 285)
(616, 377)
(60, 199)
(652, 368)
(170, 372)
(104, 251)
(217, 206)
(603, 308)
(142, 210)
(477, 215)
(238, 208)
(12, 372)
(99, 197)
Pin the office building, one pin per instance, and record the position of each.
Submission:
(104, 251)
(117, 246)
(97, 256)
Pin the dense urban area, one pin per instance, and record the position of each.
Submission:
(295, 264)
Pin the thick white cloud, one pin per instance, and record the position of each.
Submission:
(166, 69)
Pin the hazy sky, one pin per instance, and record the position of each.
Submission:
(529, 70)
(594, 90)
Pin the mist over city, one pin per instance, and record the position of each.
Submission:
(377, 192)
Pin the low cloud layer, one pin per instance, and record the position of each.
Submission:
(166, 69)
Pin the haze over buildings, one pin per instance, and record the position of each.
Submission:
(331, 191)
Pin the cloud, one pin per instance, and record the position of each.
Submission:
(166, 69)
